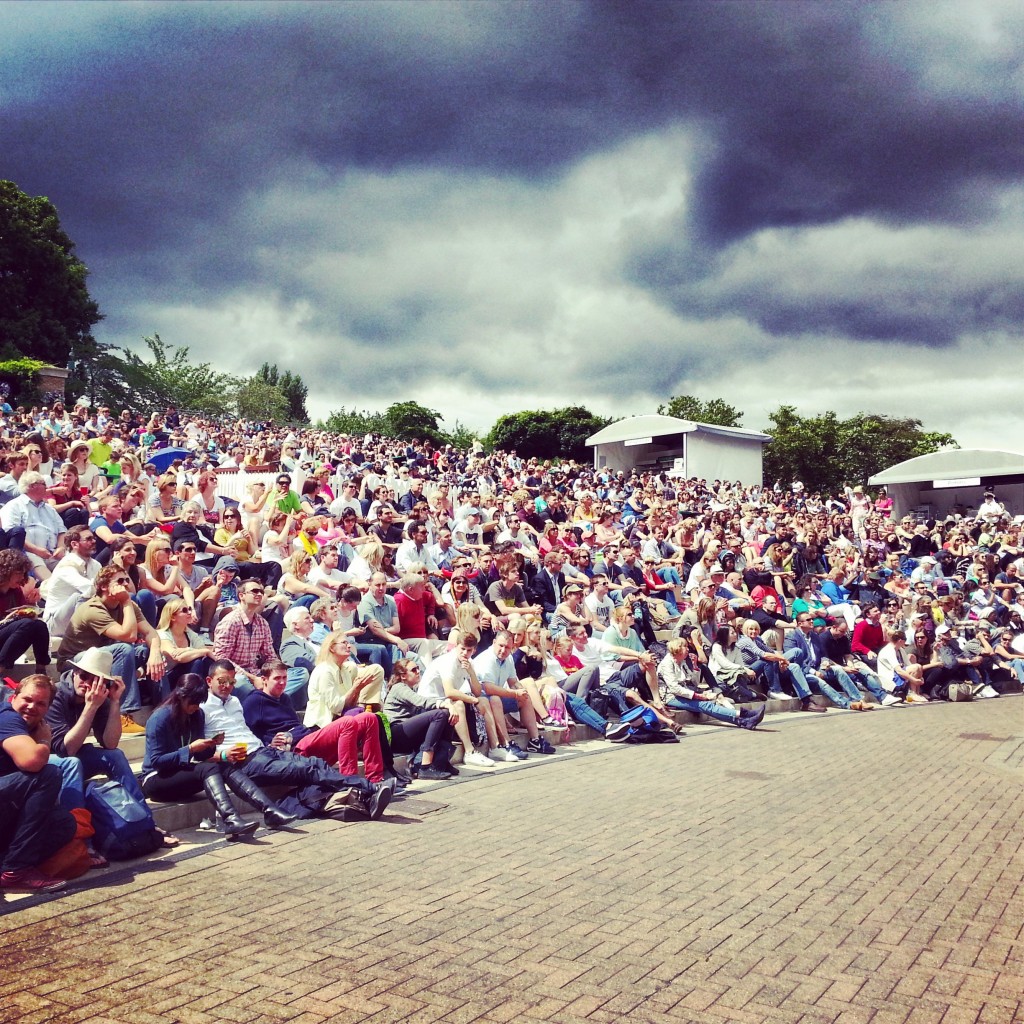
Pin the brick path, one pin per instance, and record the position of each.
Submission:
(847, 868)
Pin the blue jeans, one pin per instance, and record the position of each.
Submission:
(871, 683)
(126, 662)
(32, 825)
(721, 712)
(1017, 664)
(583, 713)
(842, 700)
(374, 654)
(89, 762)
(796, 673)
(770, 671)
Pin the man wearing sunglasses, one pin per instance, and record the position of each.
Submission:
(113, 622)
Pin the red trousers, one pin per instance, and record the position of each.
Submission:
(339, 743)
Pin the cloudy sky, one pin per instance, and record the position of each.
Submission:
(486, 207)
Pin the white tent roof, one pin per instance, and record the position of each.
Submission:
(634, 427)
(953, 464)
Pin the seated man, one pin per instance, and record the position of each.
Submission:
(868, 635)
(87, 703)
(802, 651)
(33, 826)
(252, 761)
(833, 643)
(270, 714)
(325, 572)
(452, 677)
(507, 597)
(73, 579)
(497, 674)
(113, 622)
(298, 652)
(44, 528)
(380, 615)
(243, 636)
(416, 550)
(417, 618)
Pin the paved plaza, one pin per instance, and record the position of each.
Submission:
(848, 868)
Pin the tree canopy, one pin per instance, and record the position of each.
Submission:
(292, 388)
(404, 420)
(45, 309)
(825, 452)
(715, 410)
(556, 433)
(129, 381)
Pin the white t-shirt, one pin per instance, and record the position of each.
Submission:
(601, 610)
(445, 667)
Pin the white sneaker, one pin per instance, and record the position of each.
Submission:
(778, 695)
(501, 754)
(986, 691)
(890, 700)
(476, 760)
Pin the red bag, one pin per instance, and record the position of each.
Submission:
(73, 860)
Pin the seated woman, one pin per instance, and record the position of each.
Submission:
(66, 497)
(294, 584)
(179, 762)
(164, 504)
(183, 648)
(340, 693)
(530, 659)
(736, 680)
(419, 725)
(572, 611)
(679, 679)
(161, 578)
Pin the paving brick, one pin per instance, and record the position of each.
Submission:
(591, 891)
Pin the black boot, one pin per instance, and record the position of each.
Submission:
(273, 816)
(228, 820)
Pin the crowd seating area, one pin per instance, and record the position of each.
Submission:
(207, 618)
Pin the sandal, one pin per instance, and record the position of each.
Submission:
(168, 842)
(97, 860)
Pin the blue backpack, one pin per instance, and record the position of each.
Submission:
(645, 727)
(125, 828)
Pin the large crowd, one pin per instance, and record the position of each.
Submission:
(369, 599)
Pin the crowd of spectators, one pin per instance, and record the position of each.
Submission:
(367, 598)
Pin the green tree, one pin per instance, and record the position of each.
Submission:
(825, 452)
(352, 421)
(167, 378)
(557, 433)
(408, 420)
(292, 387)
(260, 401)
(716, 410)
(45, 309)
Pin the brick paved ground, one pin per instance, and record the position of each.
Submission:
(848, 868)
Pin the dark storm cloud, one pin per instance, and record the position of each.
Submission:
(385, 194)
(175, 117)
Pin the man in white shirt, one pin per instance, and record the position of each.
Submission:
(326, 571)
(497, 674)
(598, 603)
(346, 500)
(452, 677)
(72, 581)
(44, 529)
(416, 550)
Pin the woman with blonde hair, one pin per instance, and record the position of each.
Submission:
(161, 576)
(277, 545)
(294, 584)
(369, 559)
(187, 651)
(164, 503)
(341, 693)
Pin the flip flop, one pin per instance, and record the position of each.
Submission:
(97, 860)
(168, 842)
